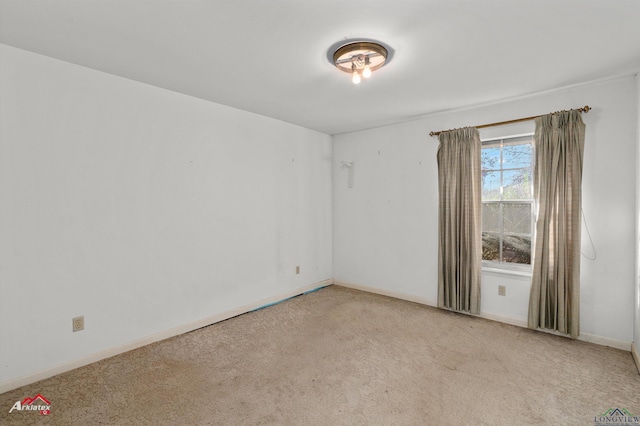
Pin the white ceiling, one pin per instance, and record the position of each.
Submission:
(270, 56)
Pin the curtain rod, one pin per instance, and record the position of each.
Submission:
(585, 108)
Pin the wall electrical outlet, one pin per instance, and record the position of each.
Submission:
(78, 323)
(297, 269)
(502, 290)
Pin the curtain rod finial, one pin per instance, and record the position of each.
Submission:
(586, 108)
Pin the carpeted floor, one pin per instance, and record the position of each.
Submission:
(340, 356)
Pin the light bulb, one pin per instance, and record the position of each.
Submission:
(366, 73)
(356, 77)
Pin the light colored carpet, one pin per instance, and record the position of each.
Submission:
(341, 356)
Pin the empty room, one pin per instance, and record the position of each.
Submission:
(320, 212)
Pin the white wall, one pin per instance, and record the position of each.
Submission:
(636, 334)
(143, 210)
(385, 227)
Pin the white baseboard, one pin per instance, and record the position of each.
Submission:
(390, 293)
(585, 337)
(507, 320)
(425, 301)
(636, 354)
(185, 328)
(605, 341)
(181, 329)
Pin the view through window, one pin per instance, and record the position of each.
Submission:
(507, 201)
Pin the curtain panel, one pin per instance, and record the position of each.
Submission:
(554, 302)
(459, 222)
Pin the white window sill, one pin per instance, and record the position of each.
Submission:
(506, 271)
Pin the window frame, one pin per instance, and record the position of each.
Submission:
(501, 266)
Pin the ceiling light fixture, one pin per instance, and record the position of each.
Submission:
(360, 59)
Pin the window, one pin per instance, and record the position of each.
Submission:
(507, 201)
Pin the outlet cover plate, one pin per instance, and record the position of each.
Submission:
(78, 323)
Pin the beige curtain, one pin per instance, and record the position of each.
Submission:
(460, 232)
(554, 302)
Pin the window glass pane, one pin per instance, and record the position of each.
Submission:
(516, 156)
(490, 247)
(507, 200)
(490, 158)
(517, 184)
(491, 217)
(517, 218)
(516, 249)
(490, 185)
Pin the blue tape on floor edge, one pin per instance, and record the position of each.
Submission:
(284, 300)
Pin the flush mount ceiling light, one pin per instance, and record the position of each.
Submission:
(360, 59)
